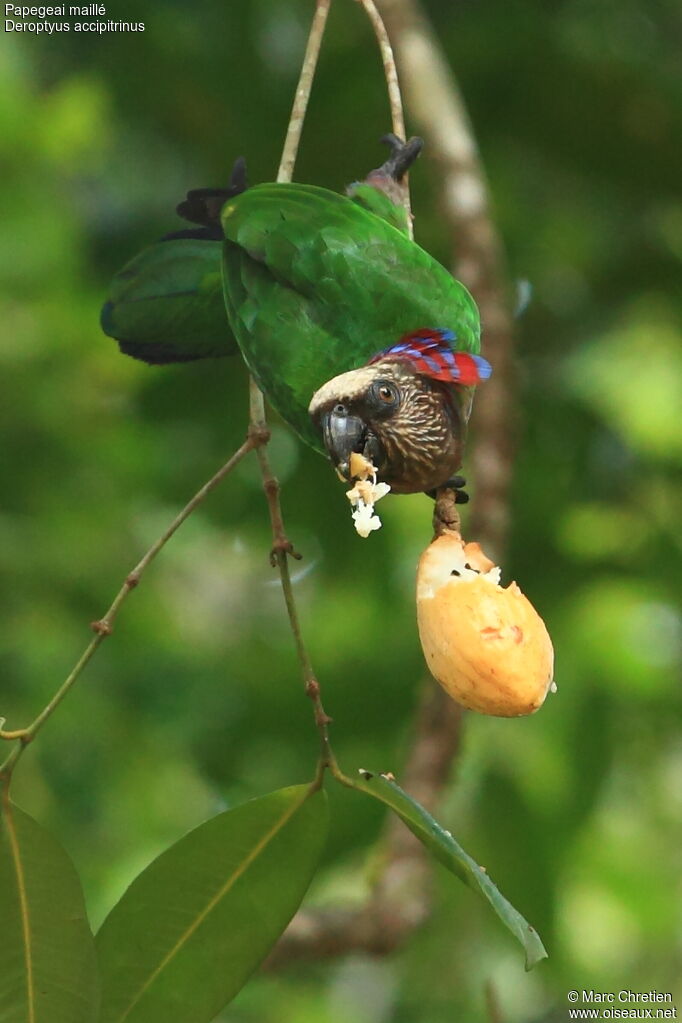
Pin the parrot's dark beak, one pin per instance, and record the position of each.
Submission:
(343, 434)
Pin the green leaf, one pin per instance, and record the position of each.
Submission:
(448, 852)
(48, 968)
(197, 922)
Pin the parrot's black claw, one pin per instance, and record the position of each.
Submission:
(238, 182)
(403, 155)
(455, 483)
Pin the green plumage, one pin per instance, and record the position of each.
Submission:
(374, 200)
(315, 285)
(312, 284)
(166, 304)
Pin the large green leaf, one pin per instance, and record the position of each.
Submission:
(195, 924)
(48, 968)
(451, 855)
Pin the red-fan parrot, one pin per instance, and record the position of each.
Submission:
(357, 336)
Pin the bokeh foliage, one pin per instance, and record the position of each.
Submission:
(195, 703)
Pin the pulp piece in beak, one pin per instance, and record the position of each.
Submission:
(364, 495)
(360, 467)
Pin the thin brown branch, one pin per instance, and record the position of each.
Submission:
(394, 96)
(282, 548)
(257, 438)
(305, 82)
(439, 114)
(104, 626)
(401, 898)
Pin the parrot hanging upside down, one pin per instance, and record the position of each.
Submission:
(357, 337)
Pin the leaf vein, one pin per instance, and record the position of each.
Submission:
(23, 905)
(220, 894)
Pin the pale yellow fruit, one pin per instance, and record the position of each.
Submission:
(486, 645)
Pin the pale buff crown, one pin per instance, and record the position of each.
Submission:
(344, 388)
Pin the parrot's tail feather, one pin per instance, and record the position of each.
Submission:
(156, 353)
(213, 233)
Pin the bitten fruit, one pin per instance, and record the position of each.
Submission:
(486, 645)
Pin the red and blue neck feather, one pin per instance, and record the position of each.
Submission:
(430, 352)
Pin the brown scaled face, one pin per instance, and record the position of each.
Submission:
(409, 426)
(423, 439)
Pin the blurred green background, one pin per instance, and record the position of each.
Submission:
(196, 702)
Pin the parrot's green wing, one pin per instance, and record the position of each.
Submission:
(166, 304)
(315, 285)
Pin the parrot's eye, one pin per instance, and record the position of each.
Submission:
(384, 393)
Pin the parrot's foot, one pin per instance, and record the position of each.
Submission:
(285, 548)
(455, 483)
(203, 205)
(403, 155)
(389, 177)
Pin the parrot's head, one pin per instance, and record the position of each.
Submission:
(405, 412)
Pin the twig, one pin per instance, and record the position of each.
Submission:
(401, 899)
(305, 81)
(440, 116)
(394, 96)
(281, 550)
(104, 626)
(257, 438)
(282, 547)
